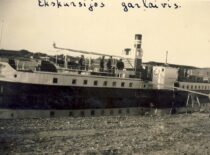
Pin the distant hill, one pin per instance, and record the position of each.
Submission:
(22, 54)
(15, 54)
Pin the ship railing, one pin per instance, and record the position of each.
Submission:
(193, 97)
(93, 70)
(182, 89)
(90, 72)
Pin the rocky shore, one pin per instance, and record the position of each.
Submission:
(175, 134)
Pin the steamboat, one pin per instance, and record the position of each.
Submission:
(50, 90)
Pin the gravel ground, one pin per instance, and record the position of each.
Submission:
(176, 134)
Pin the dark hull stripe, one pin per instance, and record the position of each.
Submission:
(31, 96)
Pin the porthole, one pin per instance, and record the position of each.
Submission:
(122, 84)
(92, 113)
(128, 111)
(52, 113)
(95, 83)
(114, 84)
(102, 112)
(74, 81)
(105, 83)
(71, 113)
(82, 113)
(55, 80)
(119, 111)
(85, 82)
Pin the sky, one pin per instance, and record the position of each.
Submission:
(183, 32)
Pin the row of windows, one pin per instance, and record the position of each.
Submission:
(92, 112)
(95, 82)
(195, 87)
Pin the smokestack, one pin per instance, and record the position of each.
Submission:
(138, 55)
(127, 51)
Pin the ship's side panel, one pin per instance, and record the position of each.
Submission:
(33, 96)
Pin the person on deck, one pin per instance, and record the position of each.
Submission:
(82, 63)
(120, 65)
(109, 64)
(102, 64)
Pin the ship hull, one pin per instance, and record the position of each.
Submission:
(34, 96)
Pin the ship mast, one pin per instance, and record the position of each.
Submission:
(166, 62)
(85, 52)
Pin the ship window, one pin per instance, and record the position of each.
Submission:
(122, 84)
(95, 83)
(70, 113)
(162, 69)
(183, 86)
(128, 111)
(191, 87)
(82, 113)
(198, 87)
(119, 111)
(195, 87)
(144, 86)
(105, 83)
(92, 113)
(85, 82)
(130, 84)
(187, 87)
(102, 112)
(114, 83)
(74, 81)
(15, 75)
(52, 113)
(55, 80)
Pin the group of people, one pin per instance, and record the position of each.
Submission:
(109, 64)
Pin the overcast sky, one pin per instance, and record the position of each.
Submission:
(183, 32)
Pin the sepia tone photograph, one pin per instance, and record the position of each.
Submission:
(104, 77)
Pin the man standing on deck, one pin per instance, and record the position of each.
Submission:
(102, 64)
(82, 63)
(109, 64)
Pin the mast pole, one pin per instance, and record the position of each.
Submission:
(166, 57)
